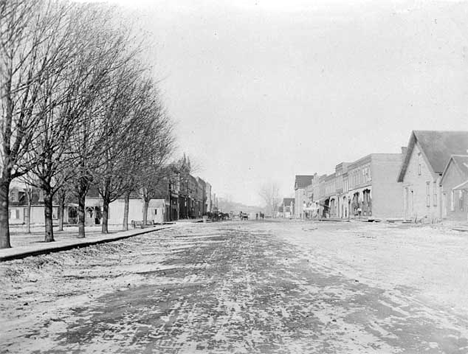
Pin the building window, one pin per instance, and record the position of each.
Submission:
(428, 194)
(14, 195)
(435, 192)
(460, 200)
(419, 164)
(452, 201)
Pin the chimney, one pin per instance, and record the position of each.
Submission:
(404, 149)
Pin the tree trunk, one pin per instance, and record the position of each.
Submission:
(49, 230)
(145, 211)
(81, 209)
(4, 212)
(61, 210)
(82, 190)
(105, 215)
(126, 209)
(81, 216)
(28, 221)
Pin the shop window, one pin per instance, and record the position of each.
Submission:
(434, 188)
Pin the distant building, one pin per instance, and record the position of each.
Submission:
(454, 185)
(19, 207)
(201, 198)
(209, 202)
(372, 190)
(286, 209)
(366, 188)
(310, 208)
(341, 184)
(300, 197)
(329, 197)
(427, 156)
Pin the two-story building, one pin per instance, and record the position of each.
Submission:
(341, 173)
(300, 199)
(329, 198)
(371, 188)
(286, 209)
(209, 202)
(427, 156)
(201, 198)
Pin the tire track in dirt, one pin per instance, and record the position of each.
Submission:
(226, 289)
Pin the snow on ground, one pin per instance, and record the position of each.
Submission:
(363, 282)
(431, 260)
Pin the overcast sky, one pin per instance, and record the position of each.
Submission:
(264, 90)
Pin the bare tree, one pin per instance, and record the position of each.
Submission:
(158, 144)
(67, 105)
(123, 123)
(51, 149)
(28, 53)
(79, 84)
(270, 195)
(109, 50)
(64, 196)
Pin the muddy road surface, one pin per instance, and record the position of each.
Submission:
(232, 287)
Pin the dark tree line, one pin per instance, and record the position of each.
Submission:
(79, 108)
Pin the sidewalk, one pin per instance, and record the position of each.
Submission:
(25, 245)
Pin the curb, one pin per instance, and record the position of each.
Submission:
(17, 253)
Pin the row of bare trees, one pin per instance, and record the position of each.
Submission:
(79, 108)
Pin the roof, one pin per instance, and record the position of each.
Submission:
(461, 162)
(463, 186)
(202, 182)
(288, 201)
(303, 181)
(437, 147)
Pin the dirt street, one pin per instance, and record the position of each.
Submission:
(245, 287)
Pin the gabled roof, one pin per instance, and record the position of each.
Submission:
(463, 186)
(461, 162)
(303, 181)
(437, 147)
